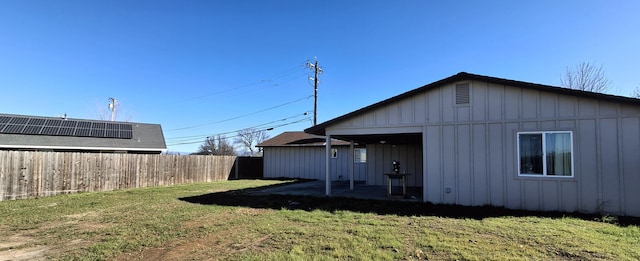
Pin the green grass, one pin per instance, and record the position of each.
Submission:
(225, 220)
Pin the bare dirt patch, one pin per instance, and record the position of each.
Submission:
(223, 243)
(252, 211)
(82, 221)
(83, 215)
(20, 247)
(215, 238)
(17, 247)
(14, 242)
(31, 244)
(30, 253)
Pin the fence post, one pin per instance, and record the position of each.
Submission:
(237, 162)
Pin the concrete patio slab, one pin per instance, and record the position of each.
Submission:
(340, 189)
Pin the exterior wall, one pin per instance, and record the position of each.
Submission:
(381, 156)
(471, 150)
(308, 163)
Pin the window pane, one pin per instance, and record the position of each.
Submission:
(558, 146)
(363, 155)
(360, 155)
(530, 153)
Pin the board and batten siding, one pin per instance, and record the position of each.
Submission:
(471, 149)
(380, 161)
(308, 162)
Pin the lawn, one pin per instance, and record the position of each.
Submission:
(229, 221)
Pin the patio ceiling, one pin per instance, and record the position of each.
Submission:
(393, 139)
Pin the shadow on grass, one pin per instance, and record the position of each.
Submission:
(253, 198)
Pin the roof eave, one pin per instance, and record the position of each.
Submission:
(320, 129)
(79, 148)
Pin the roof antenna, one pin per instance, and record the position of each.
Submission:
(113, 105)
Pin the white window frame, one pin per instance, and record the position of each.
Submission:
(358, 159)
(334, 153)
(544, 154)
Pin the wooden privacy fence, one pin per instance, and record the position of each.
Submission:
(26, 174)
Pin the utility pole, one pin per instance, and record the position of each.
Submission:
(317, 69)
(112, 106)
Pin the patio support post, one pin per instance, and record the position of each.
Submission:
(424, 164)
(351, 165)
(328, 166)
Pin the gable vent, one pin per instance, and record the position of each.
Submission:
(462, 93)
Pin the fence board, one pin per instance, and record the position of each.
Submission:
(27, 174)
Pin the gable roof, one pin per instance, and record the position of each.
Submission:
(298, 138)
(463, 76)
(53, 133)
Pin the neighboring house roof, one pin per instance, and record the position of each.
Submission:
(298, 138)
(463, 76)
(53, 133)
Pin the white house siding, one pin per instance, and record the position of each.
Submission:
(471, 149)
(381, 156)
(308, 162)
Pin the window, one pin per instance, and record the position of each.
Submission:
(334, 153)
(359, 155)
(547, 153)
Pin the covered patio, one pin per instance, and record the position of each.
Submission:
(342, 189)
(384, 147)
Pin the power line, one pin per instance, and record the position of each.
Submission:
(280, 78)
(224, 138)
(284, 119)
(242, 116)
(274, 76)
(273, 85)
(199, 137)
(229, 137)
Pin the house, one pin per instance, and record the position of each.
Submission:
(475, 140)
(301, 155)
(35, 133)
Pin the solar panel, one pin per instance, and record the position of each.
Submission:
(69, 123)
(98, 125)
(83, 132)
(64, 127)
(112, 134)
(126, 134)
(13, 129)
(53, 123)
(97, 133)
(49, 130)
(29, 129)
(84, 124)
(36, 122)
(66, 131)
(19, 120)
(112, 126)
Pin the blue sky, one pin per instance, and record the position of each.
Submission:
(201, 68)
